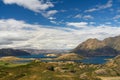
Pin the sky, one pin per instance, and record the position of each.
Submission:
(56, 24)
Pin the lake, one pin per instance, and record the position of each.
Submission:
(96, 60)
(35, 56)
(89, 60)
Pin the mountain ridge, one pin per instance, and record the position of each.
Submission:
(12, 52)
(94, 47)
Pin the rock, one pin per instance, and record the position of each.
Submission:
(101, 72)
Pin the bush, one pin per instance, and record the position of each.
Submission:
(51, 68)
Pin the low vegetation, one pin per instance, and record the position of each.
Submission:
(48, 71)
(69, 56)
(37, 70)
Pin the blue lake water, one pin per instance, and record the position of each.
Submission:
(35, 56)
(96, 60)
(89, 60)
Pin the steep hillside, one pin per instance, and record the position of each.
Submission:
(91, 44)
(111, 68)
(94, 47)
(113, 42)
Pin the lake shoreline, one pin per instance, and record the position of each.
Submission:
(43, 58)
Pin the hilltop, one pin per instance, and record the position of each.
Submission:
(69, 56)
(94, 47)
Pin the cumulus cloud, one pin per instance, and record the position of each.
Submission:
(38, 6)
(100, 7)
(19, 34)
(33, 5)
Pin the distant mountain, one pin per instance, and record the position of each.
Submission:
(13, 52)
(94, 47)
(45, 51)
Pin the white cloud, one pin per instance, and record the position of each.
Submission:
(77, 24)
(88, 17)
(118, 11)
(38, 6)
(84, 16)
(91, 10)
(116, 17)
(33, 5)
(108, 23)
(19, 34)
(57, 22)
(49, 13)
(63, 10)
(51, 18)
(78, 16)
(91, 23)
(54, 22)
(100, 7)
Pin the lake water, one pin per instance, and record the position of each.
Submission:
(97, 60)
(89, 60)
(35, 56)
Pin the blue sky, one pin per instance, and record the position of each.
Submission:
(52, 24)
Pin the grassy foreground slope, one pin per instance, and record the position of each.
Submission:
(68, 70)
(49, 71)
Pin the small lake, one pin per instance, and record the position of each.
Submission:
(89, 60)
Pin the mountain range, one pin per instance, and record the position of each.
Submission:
(12, 52)
(91, 47)
(46, 51)
(94, 47)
